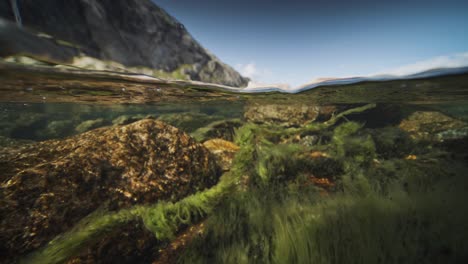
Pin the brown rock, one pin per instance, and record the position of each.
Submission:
(287, 115)
(426, 125)
(49, 186)
(223, 150)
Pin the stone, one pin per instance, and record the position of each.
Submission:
(288, 115)
(223, 150)
(50, 186)
(432, 125)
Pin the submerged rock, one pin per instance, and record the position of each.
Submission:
(453, 134)
(223, 150)
(48, 187)
(433, 125)
(287, 115)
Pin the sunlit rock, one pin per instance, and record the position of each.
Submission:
(48, 187)
(223, 150)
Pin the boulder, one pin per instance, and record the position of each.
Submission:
(432, 125)
(48, 187)
(288, 115)
(223, 150)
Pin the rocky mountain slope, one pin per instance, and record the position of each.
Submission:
(134, 33)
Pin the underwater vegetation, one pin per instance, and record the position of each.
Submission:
(356, 196)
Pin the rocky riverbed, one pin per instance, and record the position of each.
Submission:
(54, 188)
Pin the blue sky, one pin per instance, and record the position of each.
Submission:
(296, 41)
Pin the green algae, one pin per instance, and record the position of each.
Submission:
(163, 219)
(415, 216)
(385, 208)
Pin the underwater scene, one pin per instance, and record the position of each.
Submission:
(237, 177)
(125, 140)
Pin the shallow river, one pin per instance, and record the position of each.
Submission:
(113, 171)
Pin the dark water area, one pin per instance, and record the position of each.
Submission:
(342, 174)
(42, 121)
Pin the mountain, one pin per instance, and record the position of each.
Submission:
(133, 33)
(330, 81)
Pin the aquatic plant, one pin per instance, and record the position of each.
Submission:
(262, 210)
(163, 219)
(346, 229)
(375, 218)
(224, 129)
(359, 225)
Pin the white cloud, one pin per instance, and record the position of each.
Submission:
(449, 61)
(256, 85)
(248, 70)
(253, 72)
(259, 78)
(263, 78)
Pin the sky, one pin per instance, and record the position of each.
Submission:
(294, 41)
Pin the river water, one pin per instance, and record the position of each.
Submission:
(365, 173)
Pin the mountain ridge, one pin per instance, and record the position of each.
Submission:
(134, 33)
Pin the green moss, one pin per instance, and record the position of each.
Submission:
(372, 230)
(387, 211)
(392, 142)
(361, 226)
(375, 219)
(163, 219)
(177, 74)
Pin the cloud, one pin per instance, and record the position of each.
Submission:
(257, 85)
(253, 72)
(259, 78)
(449, 61)
(248, 70)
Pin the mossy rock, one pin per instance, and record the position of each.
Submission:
(108, 168)
(426, 125)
